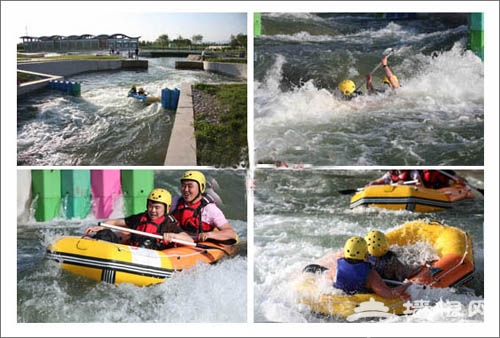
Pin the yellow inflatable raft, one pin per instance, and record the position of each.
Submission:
(118, 263)
(454, 267)
(410, 197)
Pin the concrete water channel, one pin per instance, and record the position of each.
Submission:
(182, 143)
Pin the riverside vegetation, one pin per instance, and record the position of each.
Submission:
(221, 124)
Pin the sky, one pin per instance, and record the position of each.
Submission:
(148, 20)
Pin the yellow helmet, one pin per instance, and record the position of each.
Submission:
(347, 87)
(133, 86)
(355, 248)
(377, 243)
(193, 175)
(161, 196)
(141, 89)
(386, 80)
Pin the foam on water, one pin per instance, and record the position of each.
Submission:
(300, 219)
(435, 105)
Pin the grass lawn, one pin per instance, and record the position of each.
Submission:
(222, 142)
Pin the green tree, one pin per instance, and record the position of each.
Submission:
(163, 40)
(238, 41)
(181, 42)
(196, 39)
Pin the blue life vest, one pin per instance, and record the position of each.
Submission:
(351, 278)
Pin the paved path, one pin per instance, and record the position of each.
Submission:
(182, 145)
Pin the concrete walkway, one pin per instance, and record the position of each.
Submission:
(182, 145)
(25, 88)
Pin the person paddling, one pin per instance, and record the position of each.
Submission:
(154, 220)
(390, 79)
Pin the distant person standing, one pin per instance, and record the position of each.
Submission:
(136, 53)
(203, 55)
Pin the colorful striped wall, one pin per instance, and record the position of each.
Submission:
(78, 193)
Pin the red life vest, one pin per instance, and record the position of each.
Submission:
(189, 216)
(395, 176)
(434, 179)
(150, 226)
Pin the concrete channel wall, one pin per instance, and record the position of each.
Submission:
(196, 65)
(231, 69)
(182, 144)
(28, 87)
(238, 70)
(57, 70)
(68, 68)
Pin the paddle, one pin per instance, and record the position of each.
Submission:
(352, 191)
(314, 268)
(456, 179)
(387, 53)
(147, 234)
(396, 282)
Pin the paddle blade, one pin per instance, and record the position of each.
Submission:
(349, 191)
(314, 268)
(388, 51)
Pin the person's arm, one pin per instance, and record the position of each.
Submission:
(375, 283)
(415, 176)
(118, 222)
(369, 85)
(388, 73)
(377, 181)
(172, 231)
(214, 216)
(169, 236)
(225, 232)
(386, 179)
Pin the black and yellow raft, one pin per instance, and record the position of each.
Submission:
(409, 197)
(119, 263)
